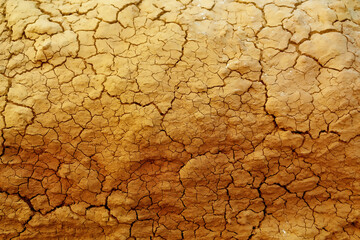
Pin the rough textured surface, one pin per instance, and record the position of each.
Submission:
(180, 119)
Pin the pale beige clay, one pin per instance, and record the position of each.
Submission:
(180, 119)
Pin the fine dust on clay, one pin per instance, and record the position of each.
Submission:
(180, 119)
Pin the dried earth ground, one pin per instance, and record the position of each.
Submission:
(187, 119)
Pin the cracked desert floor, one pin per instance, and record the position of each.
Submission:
(180, 119)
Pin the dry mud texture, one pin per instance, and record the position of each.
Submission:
(202, 119)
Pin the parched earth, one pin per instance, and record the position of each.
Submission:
(180, 119)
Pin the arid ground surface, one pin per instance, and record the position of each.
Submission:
(180, 119)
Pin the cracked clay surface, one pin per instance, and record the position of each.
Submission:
(180, 119)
